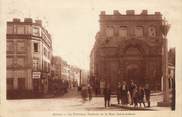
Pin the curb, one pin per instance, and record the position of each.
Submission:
(132, 108)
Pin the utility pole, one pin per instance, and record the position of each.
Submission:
(80, 77)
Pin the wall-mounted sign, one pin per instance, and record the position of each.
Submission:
(36, 75)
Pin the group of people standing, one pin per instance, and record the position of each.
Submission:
(128, 94)
(133, 94)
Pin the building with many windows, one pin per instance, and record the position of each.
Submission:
(128, 47)
(29, 52)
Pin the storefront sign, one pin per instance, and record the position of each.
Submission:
(36, 75)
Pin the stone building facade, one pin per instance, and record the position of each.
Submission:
(128, 47)
(29, 52)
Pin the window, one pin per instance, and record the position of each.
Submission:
(35, 46)
(139, 31)
(9, 62)
(35, 65)
(20, 46)
(21, 61)
(109, 31)
(20, 29)
(152, 31)
(169, 83)
(9, 46)
(123, 31)
(45, 52)
(28, 29)
(10, 29)
(10, 83)
(36, 31)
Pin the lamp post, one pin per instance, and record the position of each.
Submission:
(164, 29)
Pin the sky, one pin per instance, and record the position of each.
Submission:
(73, 24)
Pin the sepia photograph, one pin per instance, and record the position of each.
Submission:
(90, 58)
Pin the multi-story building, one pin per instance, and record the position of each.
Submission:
(29, 52)
(65, 67)
(84, 77)
(128, 47)
(56, 67)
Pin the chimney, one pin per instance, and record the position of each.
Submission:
(29, 20)
(116, 12)
(16, 20)
(102, 13)
(157, 13)
(130, 12)
(38, 22)
(144, 12)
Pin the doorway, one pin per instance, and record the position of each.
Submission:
(134, 72)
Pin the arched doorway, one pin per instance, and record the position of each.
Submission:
(134, 72)
(134, 65)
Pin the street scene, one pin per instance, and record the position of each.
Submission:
(117, 60)
(72, 101)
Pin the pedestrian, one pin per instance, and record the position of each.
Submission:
(84, 93)
(124, 93)
(107, 95)
(135, 96)
(79, 88)
(90, 92)
(55, 88)
(141, 96)
(131, 87)
(118, 92)
(147, 94)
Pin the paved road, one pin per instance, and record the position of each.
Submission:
(69, 102)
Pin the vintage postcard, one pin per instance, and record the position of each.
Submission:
(106, 58)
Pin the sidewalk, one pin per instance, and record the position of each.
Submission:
(155, 98)
(152, 108)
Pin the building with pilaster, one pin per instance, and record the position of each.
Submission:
(29, 52)
(128, 47)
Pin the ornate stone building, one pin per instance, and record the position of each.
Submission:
(128, 47)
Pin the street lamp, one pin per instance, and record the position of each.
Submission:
(164, 29)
